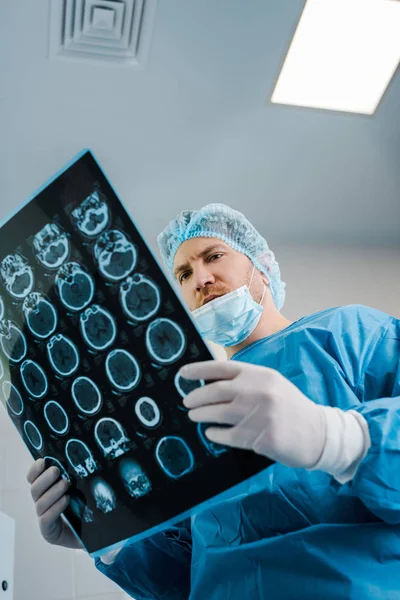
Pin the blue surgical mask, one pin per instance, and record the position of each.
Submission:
(230, 319)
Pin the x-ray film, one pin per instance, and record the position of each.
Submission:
(92, 337)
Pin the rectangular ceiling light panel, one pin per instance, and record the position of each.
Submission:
(342, 56)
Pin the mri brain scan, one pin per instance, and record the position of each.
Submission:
(111, 437)
(140, 297)
(40, 315)
(51, 246)
(98, 327)
(75, 286)
(63, 355)
(17, 276)
(135, 480)
(33, 435)
(92, 337)
(115, 254)
(80, 509)
(34, 379)
(80, 458)
(211, 447)
(104, 495)
(148, 412)
(185, 386)
(13, 341)
(56, 417)
(13, 398)
(174, 456)
(86, 395)
(92, 216)
(165, 341)
(122, 370)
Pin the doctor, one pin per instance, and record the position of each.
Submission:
(320, 396)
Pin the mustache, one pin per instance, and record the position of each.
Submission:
(209, 293)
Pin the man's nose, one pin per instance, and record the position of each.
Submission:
(203, 277)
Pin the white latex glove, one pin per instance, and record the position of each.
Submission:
(267, 413)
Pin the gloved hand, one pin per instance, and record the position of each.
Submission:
(49, 495)
(267, 412)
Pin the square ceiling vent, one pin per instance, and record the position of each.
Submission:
(108, 31)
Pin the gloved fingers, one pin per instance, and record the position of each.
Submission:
(212, 393)
(245, 430)
(225, 414)
(53, 495)
(211, 369)
(230, 436)
(51, 515)
(220, 435)
(243, 436)
(44, 482)
(35, 470)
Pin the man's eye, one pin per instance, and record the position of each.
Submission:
(184, 276)
(214, 256)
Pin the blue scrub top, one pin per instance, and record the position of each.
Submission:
(293, 534)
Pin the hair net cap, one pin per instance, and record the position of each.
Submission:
(230, 226)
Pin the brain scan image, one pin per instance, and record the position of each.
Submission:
(140, 298)
(136, 482)
(33, 434)
(75, 286)
(148, 412)
(34, 379)
(86, 395)
(211, 447)
(17, 276)
(13, 398)
(98, 327)
(104, 495)
(122, 370)
(115, 254)
(111, 437)
(92, 338)
(80, 509)
(174, 456)
(92, 216)
(80, 458)
(165, 341)
(54, 462)
(56, 417)
(40, 315)
(13, 341)
(185, 386)
(63, 355)
(51, 246)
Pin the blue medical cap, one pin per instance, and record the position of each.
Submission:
(230, 226)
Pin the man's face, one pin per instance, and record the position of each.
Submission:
(207, 267)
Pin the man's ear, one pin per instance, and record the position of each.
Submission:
(265, 280)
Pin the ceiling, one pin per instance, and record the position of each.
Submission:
(196, 126)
